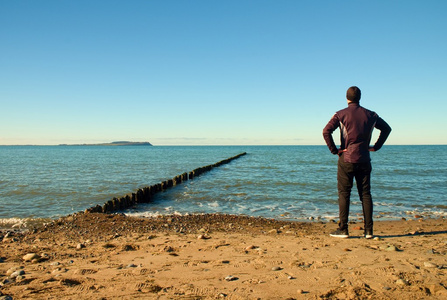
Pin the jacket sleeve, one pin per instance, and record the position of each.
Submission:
(385, 131)
(331, 126)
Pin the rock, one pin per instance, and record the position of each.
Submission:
(276, 268)
(273, 231)
(12, 270)
(389, 248)
(251, 247)
(31, 256)
(203, 237)
(231, 278)
(5, 297)
(428, 264)
(131, 266)
(80, 246)
(402, 282)
(17, 273)
(300, 291)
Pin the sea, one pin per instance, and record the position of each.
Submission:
(280, 182)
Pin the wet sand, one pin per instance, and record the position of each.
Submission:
(105, 256)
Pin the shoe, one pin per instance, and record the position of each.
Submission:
(368, 234)
(339, 233)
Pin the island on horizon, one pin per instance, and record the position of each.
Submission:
(119, 143)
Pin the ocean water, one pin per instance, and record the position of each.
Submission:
(281, 182)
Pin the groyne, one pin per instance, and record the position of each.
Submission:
(145, 195)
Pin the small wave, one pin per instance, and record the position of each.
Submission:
(213, 204)
(22, 223)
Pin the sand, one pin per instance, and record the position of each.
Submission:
(100, 256)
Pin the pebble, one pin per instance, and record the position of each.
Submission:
(401, 282)
(17, 273)
(276, 269)
(31, 256)
(428, 264)
(80, 246)
(5, 297)
(300, 291)
(131, 266)
(389, 248)
(273, 231)
(231, 278)
(251, 247)
(12, 270)
(203, 237)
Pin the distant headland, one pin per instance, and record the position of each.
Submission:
(119, 143)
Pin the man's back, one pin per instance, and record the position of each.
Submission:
(356, 126)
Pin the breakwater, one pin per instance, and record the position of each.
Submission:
(145, 195)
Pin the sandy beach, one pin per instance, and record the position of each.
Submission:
(105, 256)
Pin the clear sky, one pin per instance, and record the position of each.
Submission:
(218, 72)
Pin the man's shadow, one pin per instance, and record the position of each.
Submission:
(423, 233)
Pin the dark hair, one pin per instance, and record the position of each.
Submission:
(353, 94)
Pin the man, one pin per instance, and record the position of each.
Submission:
(356, 125)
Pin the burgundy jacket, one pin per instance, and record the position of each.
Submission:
(356, 126)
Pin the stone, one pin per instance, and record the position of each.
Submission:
(17, 273)
(428, 264)
(31, 256)
(402, 282)
(231, 278)
(203, 237)
(389, 248)
(276, 268)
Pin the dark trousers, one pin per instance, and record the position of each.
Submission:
(345, 176)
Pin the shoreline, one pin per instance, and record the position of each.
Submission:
(31, 223)
(214, 256)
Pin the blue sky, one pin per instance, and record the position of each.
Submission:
(218, 72)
